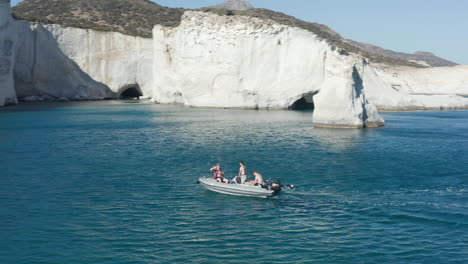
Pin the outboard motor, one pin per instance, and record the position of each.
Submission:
(275, 186)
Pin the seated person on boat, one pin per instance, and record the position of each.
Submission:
(258, 179)
(218, 173)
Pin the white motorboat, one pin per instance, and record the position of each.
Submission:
(263, 191)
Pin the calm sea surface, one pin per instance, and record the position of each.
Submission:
(114, 182)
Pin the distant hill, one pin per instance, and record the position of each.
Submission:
(238, 5)
(137, 18)
(426, 57)
(131, 17)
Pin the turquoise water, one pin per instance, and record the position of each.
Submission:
(114, 182)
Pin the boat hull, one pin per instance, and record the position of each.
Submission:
(236, 189)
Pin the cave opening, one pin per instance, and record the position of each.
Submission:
(131, 93)
(306, 102)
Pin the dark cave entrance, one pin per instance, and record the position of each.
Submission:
(306, 102)
(131, 92)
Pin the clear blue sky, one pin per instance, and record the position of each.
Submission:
(438, 26)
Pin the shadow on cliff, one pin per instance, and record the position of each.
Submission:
(42, 70)
(359, 88)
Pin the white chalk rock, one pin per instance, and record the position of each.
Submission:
(34, 62)
(116, 60)
(439, 80)
(403, 88)
(8, 40)
(43, 70)
(245, 62)
(33, 67)
(217, 61)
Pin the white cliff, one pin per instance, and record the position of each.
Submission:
(116, 60)
(403, 88)
(245, 62)
(8, 40)
(50, 62)
(217, 61)
(43, 72)
(32, 67)
(437, 80)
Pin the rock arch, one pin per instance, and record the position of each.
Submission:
(130, 91)
(304, 102)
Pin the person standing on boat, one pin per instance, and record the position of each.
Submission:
(258, 178)
(242, 176)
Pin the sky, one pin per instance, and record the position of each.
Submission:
(437, 26)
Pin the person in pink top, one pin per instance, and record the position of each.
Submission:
(218, 173)
(215, 170)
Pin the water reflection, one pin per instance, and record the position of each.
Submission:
(339, 139)
(199, 127)
(219, 126)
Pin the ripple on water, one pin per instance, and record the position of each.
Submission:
(115, 183)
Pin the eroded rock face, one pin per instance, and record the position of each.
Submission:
(8, 38)
(42, 70)
(32, 65)
(50, 62)
(244, 62)
(59, 62)
(342, 102)
(116, 60)
(403, 88)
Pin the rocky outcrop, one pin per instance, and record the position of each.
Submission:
(235, 5)
(245, 62)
